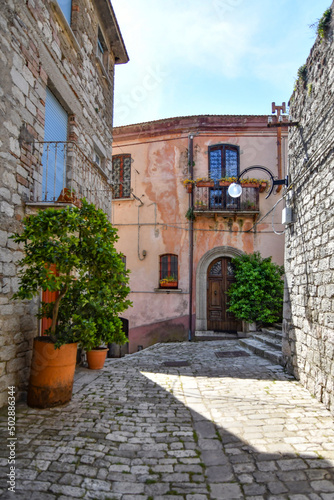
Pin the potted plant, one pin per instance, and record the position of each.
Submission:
(102, 305)
(188, 183)
(262, 184)
(168, 282)
(80, 243)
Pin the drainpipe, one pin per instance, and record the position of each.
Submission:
(191, 234)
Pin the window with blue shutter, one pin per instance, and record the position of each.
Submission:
(66, 7)
(55, 148)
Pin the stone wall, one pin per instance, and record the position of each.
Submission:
(309, 300)
(39, 49)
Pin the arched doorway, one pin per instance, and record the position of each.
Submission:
(220, 276)
(202, 282)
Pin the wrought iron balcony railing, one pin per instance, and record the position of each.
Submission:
(68, 175)
(217, 199)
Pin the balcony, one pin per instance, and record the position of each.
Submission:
(212, 201)
(68, 175)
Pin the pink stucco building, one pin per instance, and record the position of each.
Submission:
(180, 268)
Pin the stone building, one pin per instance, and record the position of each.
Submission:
(57, 63)
(308, 345)
(180, 268)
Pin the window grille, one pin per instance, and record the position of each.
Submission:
(169, 270)
(122, 175)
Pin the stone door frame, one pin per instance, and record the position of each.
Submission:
(201, 281)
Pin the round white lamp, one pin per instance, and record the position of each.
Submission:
(234, 190)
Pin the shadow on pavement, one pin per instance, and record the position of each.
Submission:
(218, 428)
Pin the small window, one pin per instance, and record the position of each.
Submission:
(121, 176)
(97, 159)
(101, 50)
(168, 271)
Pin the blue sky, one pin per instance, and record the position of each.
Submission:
(191, 57)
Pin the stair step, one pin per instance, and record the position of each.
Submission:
(261, 349)
(273, 342)
(211, 335)
(273, 332)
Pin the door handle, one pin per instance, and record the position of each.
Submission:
(215, 292)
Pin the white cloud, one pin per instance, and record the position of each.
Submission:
(171, 42)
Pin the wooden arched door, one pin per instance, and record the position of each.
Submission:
(220, 277)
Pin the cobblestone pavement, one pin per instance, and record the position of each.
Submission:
(218, 426)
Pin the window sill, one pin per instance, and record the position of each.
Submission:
(122, 199)
(168, 290)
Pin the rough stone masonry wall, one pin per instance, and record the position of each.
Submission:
(308, 326)
(37, 51)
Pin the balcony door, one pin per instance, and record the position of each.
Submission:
(223, 162)
(54, 150)
(219, 279)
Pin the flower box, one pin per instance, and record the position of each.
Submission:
(205, 184)
(168, 284)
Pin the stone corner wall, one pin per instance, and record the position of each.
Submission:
(39, 51)
(308, 326)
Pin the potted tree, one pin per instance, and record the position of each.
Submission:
(79, 242)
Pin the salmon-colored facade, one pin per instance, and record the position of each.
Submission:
(151, 164)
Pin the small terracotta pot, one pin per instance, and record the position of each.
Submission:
(96, 358)
(52, 373)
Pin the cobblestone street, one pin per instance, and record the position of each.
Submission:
(223, 424)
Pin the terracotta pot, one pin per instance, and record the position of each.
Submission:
(52, 373)
(189, 188)
(96, 358)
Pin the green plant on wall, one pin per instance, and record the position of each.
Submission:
(324, 23)
(190, 214)
(257, 294)
(71, 252)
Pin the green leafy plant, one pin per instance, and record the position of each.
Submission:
(324, 23)
(257, 294)
(190, 214)
(302, 73)
(71, 252)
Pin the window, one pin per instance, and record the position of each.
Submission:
(97, 159)
(121, 165)
(101, 50)
(223, 162)
(54, 152)
(168, 271)
(66, 8)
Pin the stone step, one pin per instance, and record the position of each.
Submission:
(272, 332)
(272, 342)
(261, 349)
(211, 335)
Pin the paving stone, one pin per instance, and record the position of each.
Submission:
(226, 491)
(126, 436)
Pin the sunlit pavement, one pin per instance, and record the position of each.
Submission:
(224, 426)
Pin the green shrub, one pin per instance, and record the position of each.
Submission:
(257, 294)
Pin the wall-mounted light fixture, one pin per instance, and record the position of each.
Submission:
(235, 189)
